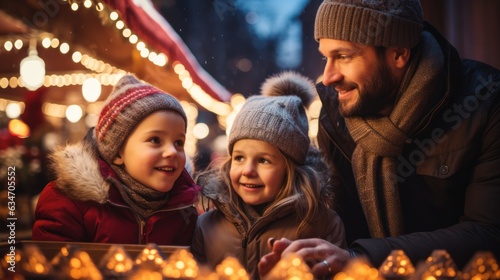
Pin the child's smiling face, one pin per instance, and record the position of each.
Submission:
(153, 153)
(257, 171)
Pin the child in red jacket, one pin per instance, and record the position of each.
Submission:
(125, 182)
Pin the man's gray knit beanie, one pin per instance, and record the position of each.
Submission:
(385, 23)
(277, 116)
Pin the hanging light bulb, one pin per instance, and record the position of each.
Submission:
(91, 89)
(32, 68)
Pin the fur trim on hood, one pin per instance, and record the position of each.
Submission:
(77, 171)
(319, 163)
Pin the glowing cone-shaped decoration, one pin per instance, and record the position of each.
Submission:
(180, 265)
(149, 263)
(439, 266)
(290, 267)
(231, 269)
(33, 263)
(397, 266)
(73, 263)
(359, 269)
(482, 266)
(116, 263)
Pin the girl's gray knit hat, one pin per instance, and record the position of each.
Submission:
(385, 23)
(277, 116)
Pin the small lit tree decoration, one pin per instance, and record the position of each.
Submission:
(206, 273)
(290, 267)
(438, 266)
(73, 263)
(231, 269)
(11, 258)
(397, 266)
(180, 265)
(359, 269)
(151, 254)
(33, 263)
(116, 264)
(482, 266)
(8, 264)
(149, 263)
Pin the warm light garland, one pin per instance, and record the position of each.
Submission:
(157, 58)
(108, 74)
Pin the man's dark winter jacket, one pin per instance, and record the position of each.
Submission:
(449, 175)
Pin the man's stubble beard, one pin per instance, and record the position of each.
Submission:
(378, 94)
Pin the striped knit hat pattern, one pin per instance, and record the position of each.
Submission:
(128, 104)
(384, 23)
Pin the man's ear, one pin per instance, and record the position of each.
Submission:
(118, 160)
(399, 57)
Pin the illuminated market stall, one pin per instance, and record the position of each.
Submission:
(60, 60)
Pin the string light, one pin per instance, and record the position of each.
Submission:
(105, 73)
(91, 89)
(32, 68)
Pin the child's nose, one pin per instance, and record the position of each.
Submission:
(249, 170)
(169, 150)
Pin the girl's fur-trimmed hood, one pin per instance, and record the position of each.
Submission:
(78, 173)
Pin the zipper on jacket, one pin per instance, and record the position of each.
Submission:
(337, 144)
(140, 222)
(142, 234)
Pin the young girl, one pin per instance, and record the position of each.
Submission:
(273, 185)
(125, 182)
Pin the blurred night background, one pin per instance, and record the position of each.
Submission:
(239, 43)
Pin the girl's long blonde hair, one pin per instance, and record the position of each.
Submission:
(310, 182)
